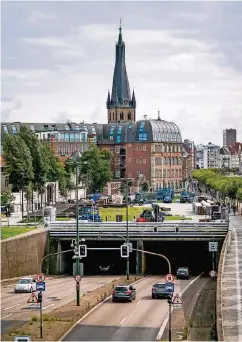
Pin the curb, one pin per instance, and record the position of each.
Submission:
(166, 319)
(30, 275)
(93, 309)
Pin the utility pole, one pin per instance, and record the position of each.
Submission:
(170, 303)
(77, 234)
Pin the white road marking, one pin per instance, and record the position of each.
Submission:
(6, 316)
(47, 306)
(123, 320)
(10, 307)
(139, 302)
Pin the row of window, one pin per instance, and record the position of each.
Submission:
(121, 116)
(168, 173)
(168, 161)
(52, 127)
(141, 148)
(69, 149)
(167, 148)
(173, 184)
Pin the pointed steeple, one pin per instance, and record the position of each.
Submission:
(108, 99)
(120, 77)
(133, 99)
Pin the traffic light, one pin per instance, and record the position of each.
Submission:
(82, 251)
(169, 299)
(124, 251)
(39, 297)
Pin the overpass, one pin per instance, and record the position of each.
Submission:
(183, 243)
(187, 231)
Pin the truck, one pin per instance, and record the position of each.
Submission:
(165, 194)
(141, 198)
(90, 213)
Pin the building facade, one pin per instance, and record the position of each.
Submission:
(229, 137)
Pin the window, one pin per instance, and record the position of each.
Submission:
(129, 126)
(32, 127)
(77, 128)
(83, 137)
(110, 117)
(6, 182)
(137, 161)
(5, 128)
(67, 137)
(66, 149)
(117, 149)
(121, 116)
(59, 149)
(164, 173)
(14, 129)
(66, 127)
(143, 136)
(118, 139)
(112, 130)
(117, 161)
(144, 161)
(129, 116)
(53, 127)
(117, 173)
(113, 116)
(46, 126)
(77, 136)
(111, 137)
(144, 148)
(80, 148)
(62, 136)
(73, 148)
(72, 136)
(93, 130)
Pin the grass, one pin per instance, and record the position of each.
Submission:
(7, 232)
(31, 220)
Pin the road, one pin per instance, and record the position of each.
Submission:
(137, 321)
(59, 291)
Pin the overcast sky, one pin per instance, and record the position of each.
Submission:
(184, 58)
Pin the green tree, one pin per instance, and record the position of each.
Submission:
(18, 163)
(39, 160)
(7, 197)
(96, 168)
(145, 187)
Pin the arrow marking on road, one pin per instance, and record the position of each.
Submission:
(6, 316)
(10, 307)
(123, 320)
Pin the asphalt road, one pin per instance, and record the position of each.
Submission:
(137, 321)
(59, 291)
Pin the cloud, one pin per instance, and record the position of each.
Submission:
(186, 62)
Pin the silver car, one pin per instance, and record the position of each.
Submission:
(27, 284)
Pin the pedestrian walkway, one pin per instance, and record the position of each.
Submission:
(232, 284)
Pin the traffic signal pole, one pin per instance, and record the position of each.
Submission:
(127, 225)
(77, 240)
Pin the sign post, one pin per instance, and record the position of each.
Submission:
(169, 278)
(78, 278)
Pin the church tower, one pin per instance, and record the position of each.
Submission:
(120, 105)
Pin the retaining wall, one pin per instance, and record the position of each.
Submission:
(21, 255)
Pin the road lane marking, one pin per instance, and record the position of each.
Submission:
(139, 302)
(6, 316)
(47, 306)
(123, 320)
(10, 307)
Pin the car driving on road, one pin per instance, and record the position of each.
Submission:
(183, 273)
(159, 290)
(124, 292)
(27, 284)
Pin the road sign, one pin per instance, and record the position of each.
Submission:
(169, 278)
(213, 246)
(40, 277)
(177, 302)
(78, 278)
(40, 286)
(212, 274)
(170, 287)
(33, 301)
(130, 246)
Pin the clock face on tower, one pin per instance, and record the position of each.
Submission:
(125, 101)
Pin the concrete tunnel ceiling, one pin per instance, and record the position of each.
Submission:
(194, 255)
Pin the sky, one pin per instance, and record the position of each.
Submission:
(182, 58)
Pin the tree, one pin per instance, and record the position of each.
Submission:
(18, 163)
(7, 197)
(96, 168)
(122, 187)
(39, 160)
(145, 187)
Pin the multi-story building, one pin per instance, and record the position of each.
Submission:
(211, 156)
(229, 137)
(199, 157)
(151, 148)
(235, 155)
(191, 149)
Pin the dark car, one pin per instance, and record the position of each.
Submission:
(183, 273)
(124, 292)
(159, 290)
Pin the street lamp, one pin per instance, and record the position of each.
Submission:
(127, 180)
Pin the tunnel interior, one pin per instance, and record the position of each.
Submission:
(192, 254)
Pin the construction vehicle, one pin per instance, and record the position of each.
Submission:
(152, 215)
(90, 213)
(165, 194)
(143, 198)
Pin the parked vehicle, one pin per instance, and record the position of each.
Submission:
(183, 273)
(90, 213)
(27, 284)
(159, 290)
(124, 292)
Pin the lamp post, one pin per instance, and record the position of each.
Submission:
(127, 224)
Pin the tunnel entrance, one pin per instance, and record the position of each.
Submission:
(192, 254)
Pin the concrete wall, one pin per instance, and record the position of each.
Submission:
(22, 255)
(219, 316)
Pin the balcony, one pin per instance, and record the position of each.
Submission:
(123, 166)
(122, 152)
